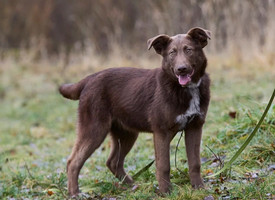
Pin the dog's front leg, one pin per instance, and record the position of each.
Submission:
(192, 143)
(162, 154)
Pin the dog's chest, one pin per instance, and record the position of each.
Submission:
(192, 111)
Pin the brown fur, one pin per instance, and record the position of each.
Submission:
(126, 101)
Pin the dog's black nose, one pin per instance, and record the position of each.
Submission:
(182, 69)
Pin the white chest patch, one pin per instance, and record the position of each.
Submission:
(193, 109)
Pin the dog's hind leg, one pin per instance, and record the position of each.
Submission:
(90, 136)
(122, 142)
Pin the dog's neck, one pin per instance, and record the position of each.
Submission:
(193, 107)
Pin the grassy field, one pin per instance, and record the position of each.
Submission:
(37, 132)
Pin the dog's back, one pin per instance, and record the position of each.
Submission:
(127, 93)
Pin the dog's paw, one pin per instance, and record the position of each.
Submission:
(197, 183)
(81, 195)
(128, 180)
(198, 186)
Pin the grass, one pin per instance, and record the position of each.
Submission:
(37, 132)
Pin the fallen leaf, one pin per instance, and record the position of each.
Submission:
(208, 171)
(261, 160)
(33, 165)
(135, 187)
(204, 160)
(271, 168)
(232, 114)
(50, 192)
(209, 198)
(217, 191)
(214, 164)
(12, 151)
(221, 179)
(116, 184)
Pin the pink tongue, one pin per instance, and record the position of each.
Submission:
(183, 80)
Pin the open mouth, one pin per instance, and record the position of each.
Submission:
(185, 79)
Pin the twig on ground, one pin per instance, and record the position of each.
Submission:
(216, 156)
(177, 152)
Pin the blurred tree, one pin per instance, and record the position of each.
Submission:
(63, 26)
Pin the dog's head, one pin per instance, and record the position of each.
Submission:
(183, 57)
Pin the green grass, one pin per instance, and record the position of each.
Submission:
(37, 132)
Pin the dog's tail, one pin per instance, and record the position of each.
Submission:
(72, 90)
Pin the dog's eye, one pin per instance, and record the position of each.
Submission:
(172, 52)
(188, 50)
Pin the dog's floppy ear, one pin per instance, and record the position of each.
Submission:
(200, 35)
(159, 42)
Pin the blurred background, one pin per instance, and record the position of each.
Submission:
(66, 28)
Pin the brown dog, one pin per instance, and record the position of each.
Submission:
(126, 101)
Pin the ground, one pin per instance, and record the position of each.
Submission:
(37, 132)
